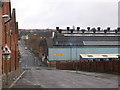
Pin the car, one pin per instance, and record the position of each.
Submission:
(25, 48)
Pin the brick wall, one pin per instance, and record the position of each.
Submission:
(109, 66)
(10, 37)
(0, 38)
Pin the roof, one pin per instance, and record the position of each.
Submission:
(91, 34)
(101, 43)
(93, 56)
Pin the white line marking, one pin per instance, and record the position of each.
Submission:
(16, 80)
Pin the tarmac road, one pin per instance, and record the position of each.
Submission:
(27, 58)
(67, 79)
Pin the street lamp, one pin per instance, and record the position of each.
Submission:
(6, 51)
(6, 18)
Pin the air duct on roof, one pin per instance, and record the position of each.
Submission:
(78, 28)
(57, 28)
(72, 30)
(118, 28)
(105, 31)
(108, 28)
(94, 30)
(98, 28)
(88, 28)
(83, 30)
(60, 30)
(116, 31)
(68, 28)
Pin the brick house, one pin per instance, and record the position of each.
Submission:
(10, 36)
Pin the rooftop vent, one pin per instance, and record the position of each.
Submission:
(83, 30)
(78, 28)
(72, 30)
(98, 28)
(108, 28)
(60, 30)
(104, 55)
(105, 31)
(94, 30)
(68, 28)
(88, 28)
(118, 28)
(89, 55)
(57, 28)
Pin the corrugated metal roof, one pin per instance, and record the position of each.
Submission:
(90, 32)
(101, 42)
(68, 35)
(91, 56)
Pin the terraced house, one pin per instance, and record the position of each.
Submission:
(9, 35)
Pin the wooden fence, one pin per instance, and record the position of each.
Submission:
(110, 66)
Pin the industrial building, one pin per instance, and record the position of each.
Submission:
(68, 43)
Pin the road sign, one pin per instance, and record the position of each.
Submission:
(6, 50)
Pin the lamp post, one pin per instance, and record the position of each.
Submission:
(6, 51)
(6, 57)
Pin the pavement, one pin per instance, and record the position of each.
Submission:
(12, 76)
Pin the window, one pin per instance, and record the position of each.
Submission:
(104, 55)
(89, 55)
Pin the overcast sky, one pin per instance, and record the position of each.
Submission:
(37, 14)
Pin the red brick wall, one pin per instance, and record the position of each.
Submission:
(111, 66)
(10, 37)
(5, 32)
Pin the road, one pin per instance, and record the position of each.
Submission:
(38, 76)
(27, 59)
(67, 79)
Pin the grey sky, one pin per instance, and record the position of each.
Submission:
(51, 13)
